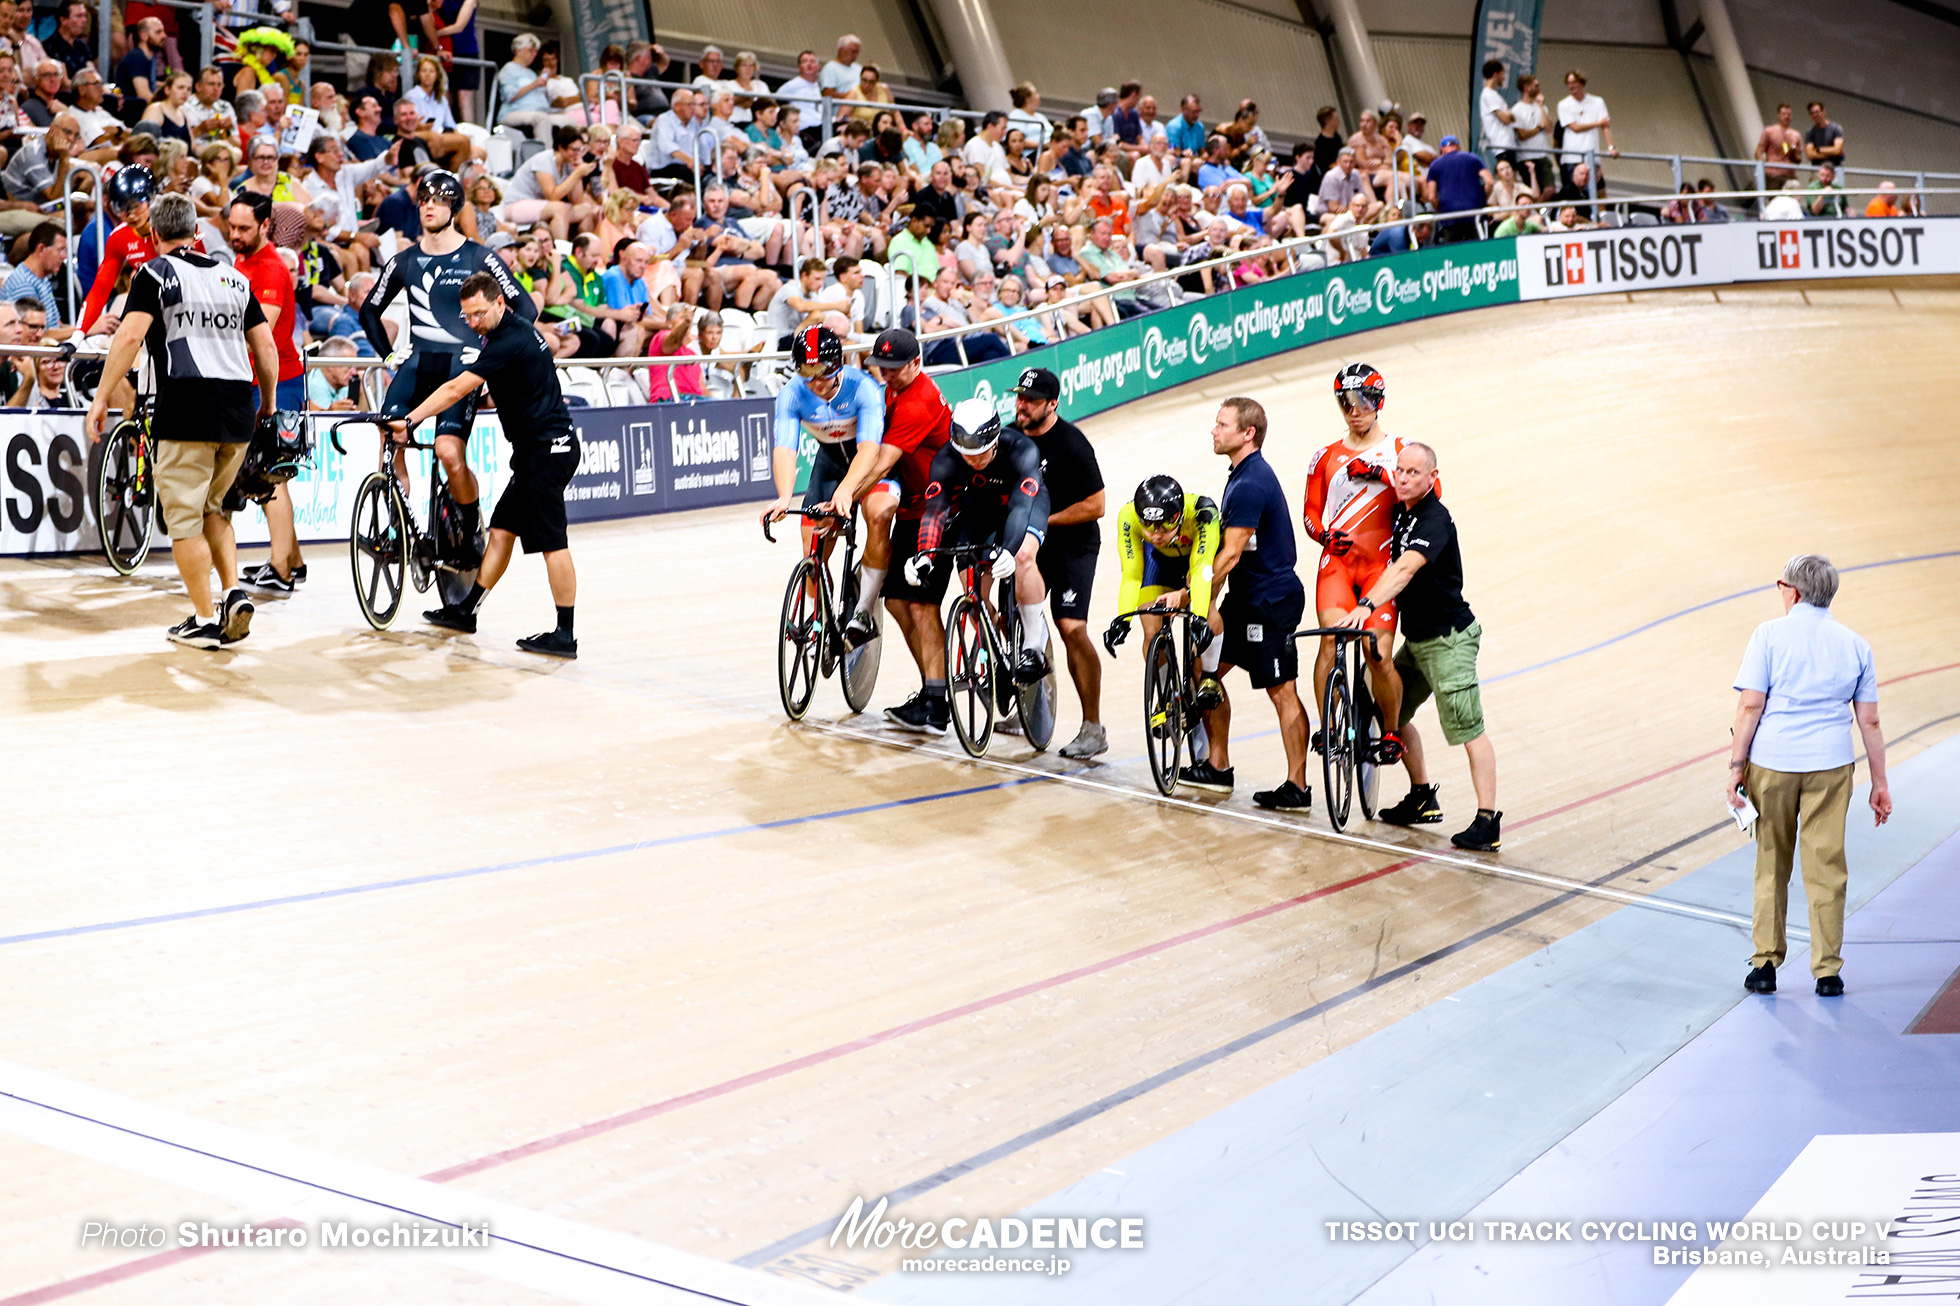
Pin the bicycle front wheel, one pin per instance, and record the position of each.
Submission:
(377, 550)
(970, 675)
(1337, 747)
(799, 640)
(1163, 710)
(125, 498)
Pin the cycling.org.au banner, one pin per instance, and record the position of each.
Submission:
(1642, 258)
(1153, 353)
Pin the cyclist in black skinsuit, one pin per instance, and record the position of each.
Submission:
(985, 487)
(432, 271)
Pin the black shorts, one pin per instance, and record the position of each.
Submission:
(421, 376)
(1259, 639)
(532, 506)
(826, 474)
(905, 543)
(1070, 571)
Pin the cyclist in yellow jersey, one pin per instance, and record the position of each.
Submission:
(1166, 540)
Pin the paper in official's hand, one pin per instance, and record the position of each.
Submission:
(1745, 815)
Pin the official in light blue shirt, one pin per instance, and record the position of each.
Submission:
(1810, 669)
(1804, 680)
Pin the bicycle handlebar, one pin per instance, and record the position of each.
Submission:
(1160, 612)
(813, 514)
(371, 419)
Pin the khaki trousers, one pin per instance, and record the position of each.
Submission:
(1807, 807)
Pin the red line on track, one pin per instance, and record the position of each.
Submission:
(71, 1287)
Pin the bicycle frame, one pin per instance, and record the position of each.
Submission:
(1351, 724)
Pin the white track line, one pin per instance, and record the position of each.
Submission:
(274, 1179)
(1451, 860)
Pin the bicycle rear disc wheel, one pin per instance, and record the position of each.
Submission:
(861, 663)
(1035, 704)
(1163, 711)
(125, 498)
(1367, 748)
(799, 640)
(970, 673)
(1337, 748)
(377, 550)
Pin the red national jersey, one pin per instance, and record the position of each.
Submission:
(1336, 501)
(918, 421)
(123, 249)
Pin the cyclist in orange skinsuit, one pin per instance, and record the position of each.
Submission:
(1348, 501)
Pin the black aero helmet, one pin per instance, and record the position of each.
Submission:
(442, 188)
(1362, 382)
(817, 351)
(129, 187)
(1159, 501)
(976, 426)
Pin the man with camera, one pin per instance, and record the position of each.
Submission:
(208, 342)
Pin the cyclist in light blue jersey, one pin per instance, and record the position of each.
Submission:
(844, 409)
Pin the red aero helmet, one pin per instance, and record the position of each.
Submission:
(1360, 378)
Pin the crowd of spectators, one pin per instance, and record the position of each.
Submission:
(805, 189)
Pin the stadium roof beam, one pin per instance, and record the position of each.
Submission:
(976, 44)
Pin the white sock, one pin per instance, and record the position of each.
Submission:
(1034, 630)
(870, 581)
(1209, 658)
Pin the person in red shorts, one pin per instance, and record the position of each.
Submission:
(917, 421)
(1348, 502)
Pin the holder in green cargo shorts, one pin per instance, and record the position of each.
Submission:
(1447, 667)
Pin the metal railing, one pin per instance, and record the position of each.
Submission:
(1291, 250)
(408, 66)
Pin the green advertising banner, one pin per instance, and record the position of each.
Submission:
(1153, 353)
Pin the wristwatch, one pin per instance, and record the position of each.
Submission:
(1366, 602)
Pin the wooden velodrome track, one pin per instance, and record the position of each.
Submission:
(682, 971)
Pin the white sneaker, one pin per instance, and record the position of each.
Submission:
(1089, 741)
(1009, 724)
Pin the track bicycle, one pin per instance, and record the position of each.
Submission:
(1170, 689)
(982, 641)
(388, 548)
(810, 639)
(124, 489)
(1351, 749)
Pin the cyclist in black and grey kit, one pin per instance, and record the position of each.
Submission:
(433, 271)
(515, 364)
(985, 487)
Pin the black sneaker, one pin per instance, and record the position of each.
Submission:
(1210, 694)
(1830, 986)
(266, 577)
(195, 632)
(450, 617)
(1418, 808)
(1482, 836)
(859, 630)
(1205, 776)
(1030, 667)
(921, 714)
(299, 574)
(235, 616)
(1289, 797)
(552, 643)
(1761, 980)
